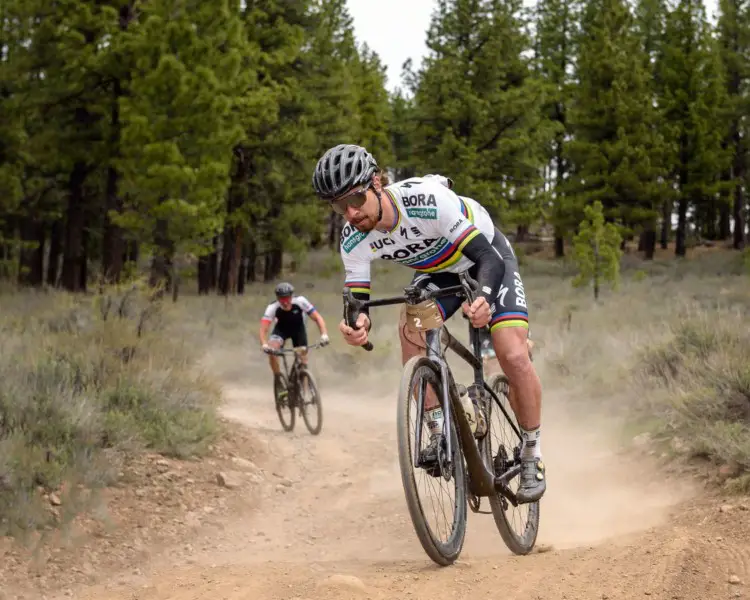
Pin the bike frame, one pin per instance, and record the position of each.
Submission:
(482, 481)
(283, 352)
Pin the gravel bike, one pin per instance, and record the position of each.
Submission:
(475, 464)
(296, 389)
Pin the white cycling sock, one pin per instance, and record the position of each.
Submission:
(532, 443)
(434, 420)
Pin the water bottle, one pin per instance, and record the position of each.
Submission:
(468, 407)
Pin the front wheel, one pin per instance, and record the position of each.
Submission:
(443, 539)
(501, 447)
(309, 402)
(284, 406)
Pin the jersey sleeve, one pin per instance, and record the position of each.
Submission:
(356, 258)
(270, 313)
(305, 304)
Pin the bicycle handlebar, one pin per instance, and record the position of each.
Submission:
(412, 295)
(298, 349)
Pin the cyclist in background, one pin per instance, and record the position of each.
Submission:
(289, 313)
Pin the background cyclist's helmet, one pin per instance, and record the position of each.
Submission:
(342, 168)
(284, 289)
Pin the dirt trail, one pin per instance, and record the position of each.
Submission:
(332, 523)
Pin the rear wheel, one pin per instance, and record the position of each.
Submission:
(284, 408)
(441, 533)
(501, 448)
(309, 402)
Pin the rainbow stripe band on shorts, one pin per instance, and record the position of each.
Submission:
(510, 319)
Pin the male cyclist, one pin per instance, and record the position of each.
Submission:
(423, 224)
(289, 312)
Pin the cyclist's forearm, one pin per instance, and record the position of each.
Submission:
(490, 267)
(263, 334)
(320, 322)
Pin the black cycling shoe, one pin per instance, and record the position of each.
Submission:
(533, 480)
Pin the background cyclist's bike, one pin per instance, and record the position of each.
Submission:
(296, 390)
(469, 464)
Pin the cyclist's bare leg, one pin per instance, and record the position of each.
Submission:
(512, 352)
(414, 344)
(274, 360)
(513, 355)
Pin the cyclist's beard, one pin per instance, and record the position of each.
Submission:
(365, 224)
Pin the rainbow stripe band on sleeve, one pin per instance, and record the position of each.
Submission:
(510, 319)
(358, 287)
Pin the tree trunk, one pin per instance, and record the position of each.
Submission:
(75, 217)
(710, 230)
(725, 228)
(335, 223)
(31, 259)
(666, 223)
(84, 271)
(252, 256)
(55, 249)
(680, 248)
(227, 256)
(559, 246)
(132, 252)
(242, 271)
(213, 264)
(204, 275)
(522, 232)
(649, 243)
(113, 243)
(273, 264)
(738, 239)
(161, 263)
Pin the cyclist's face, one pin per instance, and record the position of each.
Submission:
(359, 207)
(285, 302)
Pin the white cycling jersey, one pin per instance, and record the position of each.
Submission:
(433, 225)
(292, 318)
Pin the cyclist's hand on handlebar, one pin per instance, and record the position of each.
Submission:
(479, 312)
(355, 337)
(324, 340)
(266, 348)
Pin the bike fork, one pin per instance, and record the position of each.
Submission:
(434, 353)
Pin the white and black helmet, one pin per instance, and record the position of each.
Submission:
(284, 289)
(341, 168)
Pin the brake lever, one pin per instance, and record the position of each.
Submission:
(352, 308)
(470, 284)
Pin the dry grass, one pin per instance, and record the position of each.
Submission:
(82, 390)
(87, 382)
(668, 354)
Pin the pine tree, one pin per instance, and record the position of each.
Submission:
(180, 123)
(479, 111)
(650, 20)
(616, 153)
(734, 35)
(596, 250)
(555, 48)
(692, 103)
